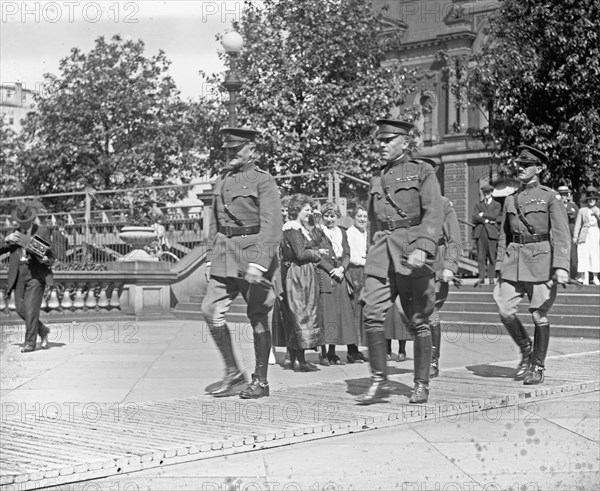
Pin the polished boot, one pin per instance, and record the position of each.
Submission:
(422, 346)
(436, 338)
(256, 389)
(379, 390)
(520, 336)
(234, 378)
(262, 348)
(535, 375)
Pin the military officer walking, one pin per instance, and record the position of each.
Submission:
(405, 217)
(246, 228)
(529, 262)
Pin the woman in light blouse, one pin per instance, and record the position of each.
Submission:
(586, 236)
(357, 240)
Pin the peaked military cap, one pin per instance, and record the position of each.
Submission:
(24, 212)
(235, 137)
(531, 155)
(389, 128)
(427, 160)
(487, 188)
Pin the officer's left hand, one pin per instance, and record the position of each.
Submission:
(416, 258)
(45, 259)
(447, 275)
(253, 275)
(562, 277)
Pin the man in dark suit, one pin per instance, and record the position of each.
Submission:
(486, 215)
(28, 273)
(245, 228)
(572, 211)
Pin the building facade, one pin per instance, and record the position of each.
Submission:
(15, 102)
(455, 28)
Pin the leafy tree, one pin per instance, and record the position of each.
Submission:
(111, 119)
(539, 73)
(315, 78)
(10, 177)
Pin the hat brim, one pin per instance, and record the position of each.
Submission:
(381, 136)
(235, 144)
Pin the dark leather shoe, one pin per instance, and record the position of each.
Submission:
(27, 349)
(335, 360)
(388, 357)
(434, 370)
(44, 338)
(534, 376)
(356, 358)
(230, 385)
(420, 394)
(478, 283)
(324, 360)
(377, 392)
(255, 390)
(401, 357)
(305, 366)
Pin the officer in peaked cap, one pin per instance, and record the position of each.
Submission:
(405, 217)
(529, 263)
(245, 229)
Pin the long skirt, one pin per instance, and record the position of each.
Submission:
(297, 311)
(396, 324)
(336, 315)
(357, 276)
(588, 253)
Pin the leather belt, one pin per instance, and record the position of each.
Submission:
(530, 239)
(390, 225)
(236, 231)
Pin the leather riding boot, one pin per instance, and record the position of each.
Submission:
(535, 375)
(262, 348)
(422, 347)
(235, 378)
(516, 330)
(256, 389)
(379, 390)
(436, 338)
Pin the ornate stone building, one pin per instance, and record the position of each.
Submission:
(454, 27)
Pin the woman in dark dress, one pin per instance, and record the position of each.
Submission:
(336, 312)
(298, 307)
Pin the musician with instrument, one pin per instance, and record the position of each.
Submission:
(31, 256)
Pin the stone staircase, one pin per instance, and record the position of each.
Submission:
(576, 311)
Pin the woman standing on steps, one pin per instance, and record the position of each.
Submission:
(299, 303)
(586, 237)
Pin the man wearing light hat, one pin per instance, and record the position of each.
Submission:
(28, 273)
(530, 263)
(246, 228)
(572, 210)
(405, 218)
(486, 216)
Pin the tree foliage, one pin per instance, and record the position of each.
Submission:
(315, 78)
(111, 119)
(539, 72)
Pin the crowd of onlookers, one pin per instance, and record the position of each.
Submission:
(319, 284)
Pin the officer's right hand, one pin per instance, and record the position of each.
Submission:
(207, 272)
(447, 275)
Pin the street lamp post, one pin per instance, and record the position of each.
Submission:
(232, 43)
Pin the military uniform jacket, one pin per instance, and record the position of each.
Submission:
(491, 212)
(533, 262)
(38, 270)
(414, 187)
(450, 245)
(245, 197)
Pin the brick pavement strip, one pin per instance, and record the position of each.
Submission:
(37, 453)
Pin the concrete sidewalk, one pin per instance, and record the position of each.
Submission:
(123, 366)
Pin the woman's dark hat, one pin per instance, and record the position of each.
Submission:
(24, 212)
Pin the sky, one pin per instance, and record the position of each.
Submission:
(36, 35)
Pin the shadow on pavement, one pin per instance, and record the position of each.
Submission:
(492, 371)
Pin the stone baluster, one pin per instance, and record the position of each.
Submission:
(103, 303)
(3, 304)
(53, 303)
(78, 303)
(11, 302)
(90, 301)
(115, 302)
(66, 302)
